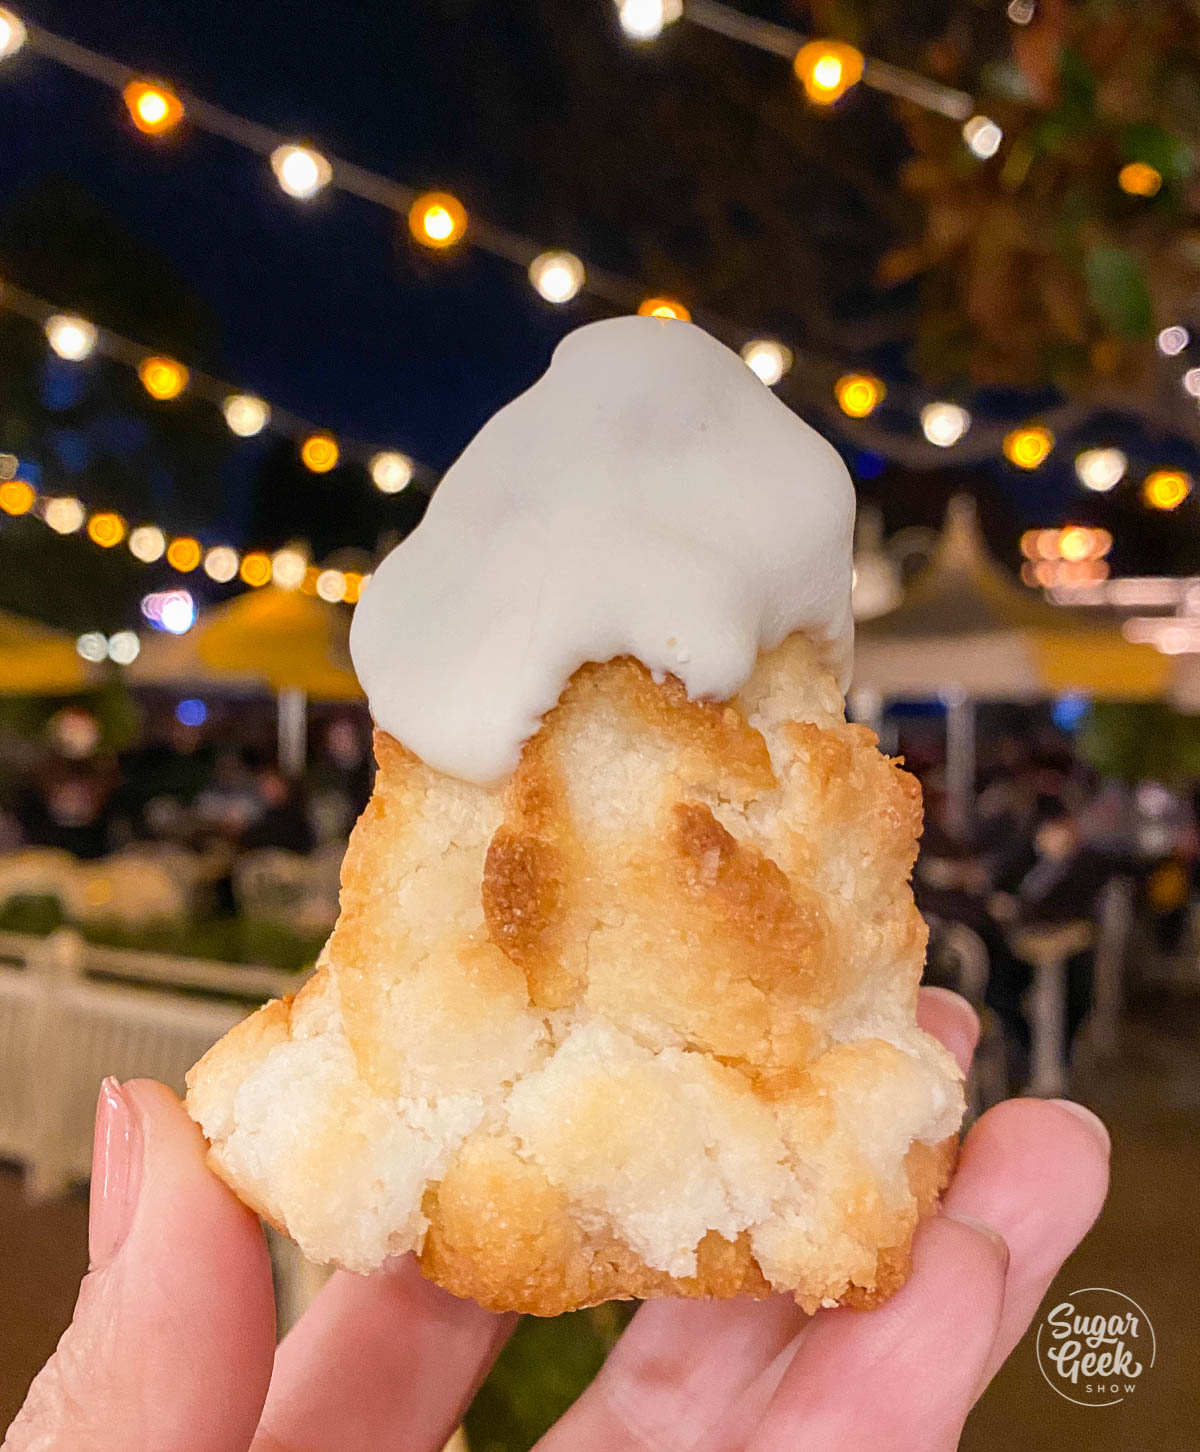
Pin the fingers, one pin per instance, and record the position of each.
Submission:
(379, 1362)
(951, 1019)
(674, 1372)
(902, 1377)
(174, 1330)
(1036, 1171)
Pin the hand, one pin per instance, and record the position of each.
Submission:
(172, 1348)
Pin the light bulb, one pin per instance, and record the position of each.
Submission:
(331, 585)
(154, 109)
(124, 647)
(92, 646)
(64, 515)
(163, 378)
(645, 19)
(664, 307)
(827, 69)
(255, 568)
(983, 137)
(391, 471)
(17, 496)
(1100, 469)
(1029, 446)
(245, 414)
(437, 219)
(1166, 489)
(147, 543)
(12, 34)
(1173, 340)
(767, 359)
(184, 554)
(859, 394)
(71, 337)
(221, 564)
(300, 171)
(106, 529)
(944, 424)
(319, 453)
(557, 276)
(287, 568)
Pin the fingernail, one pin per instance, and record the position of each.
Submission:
(981, 1227)
(1093, 1121)
(116, 1173)
(964, 1010)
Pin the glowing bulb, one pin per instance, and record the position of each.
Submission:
(353, 587)
(391, 471)
(147, 543)
(245, 414)
(1029, 446)
(163, 378)
(1076, 543)
(331, 585)
(1100, 469)
(944, 424)
(1173, 340)
(300, 170)
(287, 569)
(106, 529)
(859, 394)
(983, 136)
(64, 515)
(154, 109)
(12, 34)
(1191, 382)
(16, 496)
(664, 307)
(124, 647)
(557, 276)
(1139, 179)
(71, 337)
(1166, 488)
(221, 564)
(767, 359)
(256, 568)
(319, 453)
(645, 19)
(437, 219)
(827, 69)
(93, 646)
(184, 554)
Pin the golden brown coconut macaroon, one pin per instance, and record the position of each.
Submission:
(639, 1021)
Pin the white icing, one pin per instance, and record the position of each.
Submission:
(648, 496)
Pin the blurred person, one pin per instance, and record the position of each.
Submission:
(282, 820)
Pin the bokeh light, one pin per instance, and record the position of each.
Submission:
(391, 471)
(17, 496)
(557, 276)
(859, 394)
(646, 19)
(147, 543)
(664, 307)
(64, 514)
(437, 219)
(153, 108)
(184, 554)
(1173, 340)
(72, 338)
(982, 136)
(1139, 179)
(767, 359)
(221, 564)
(352, 588)
(171, 610)
(300, 171)
(124, 647)
(163, 378)
(827, 69)
(106, 529)
(1029, 446)
(1100, 469)
(331, 585)
(944, 423)
(12, 34)
(92, 646)
(245, 414)
(319, 453)
(287, 568)
(255, 568)
(1166, 488)
(191, 712)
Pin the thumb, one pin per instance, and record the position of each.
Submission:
(171, 1345)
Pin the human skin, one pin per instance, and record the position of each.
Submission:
(172, 1346)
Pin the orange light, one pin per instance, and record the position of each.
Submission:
(664, 307)
(106, 529)
(1047, 573)
(1029, 446)
(1029, 544)
(1139, 179)
(163, 378)
(1166, 488)
(827, 69)
(1047, 544)
(319, 453)
(154, 109)
(352, 587)
(1076, 543)
(183, 554)
(256, 568)
(16, 497)
(437, 219)
(859, 394)
(308, 586)
(1102, 541)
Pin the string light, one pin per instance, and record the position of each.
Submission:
(331, 585)
(1166, 489)
(92, 646)
(147, 543)
(256, 568)
(646, 19)
(827, 69)
(767, 359)
(171, 610)
(184, 554)
(983, 137)
(944, 424)
(106, 529)
(12, 34)
(1028, 447)
(124, 647)
(300, 171)
(1173, 340)
(221, 564)
(437, 219)
(1100, 469)
(72, 338)
(1191, 382)
(16, 496)
(353, 587)
(391, 471)
(319, 453)
(557, 276)
(246, 415)
(63, 514)
(163, 378)
(154, 109)
(1021, 12)
(664, 307)
(1075, 543)
(1139, 179)
(859, 394)
(287, 568)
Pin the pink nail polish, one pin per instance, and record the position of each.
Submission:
(116, 1173)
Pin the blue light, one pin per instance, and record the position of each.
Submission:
(192, 712)
(868, 464)
(1068, 711)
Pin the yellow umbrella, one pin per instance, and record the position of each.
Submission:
(38, 661)
(286, 639)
